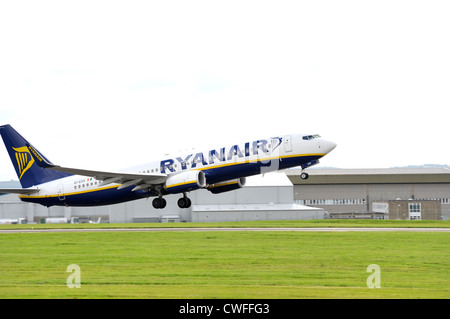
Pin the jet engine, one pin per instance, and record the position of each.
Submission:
(185, 182)
(227, 186)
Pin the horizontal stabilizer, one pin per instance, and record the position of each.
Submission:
(21, 191)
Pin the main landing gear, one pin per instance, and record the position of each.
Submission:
(304, 175)
(184, 202)
(160, 202)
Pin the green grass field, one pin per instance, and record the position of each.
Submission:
(228, 264)
(273, 223)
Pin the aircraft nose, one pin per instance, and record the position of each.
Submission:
(328, 146)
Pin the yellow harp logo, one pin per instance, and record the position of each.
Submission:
(24, 159)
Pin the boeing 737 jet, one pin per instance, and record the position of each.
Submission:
(218, 170)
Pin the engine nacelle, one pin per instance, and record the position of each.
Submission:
(185, 182)
(227, 186)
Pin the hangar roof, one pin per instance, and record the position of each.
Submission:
(371, 176)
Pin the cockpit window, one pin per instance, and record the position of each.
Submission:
(311, 137)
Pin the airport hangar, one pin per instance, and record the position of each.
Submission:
(422, 193)
(391, 193)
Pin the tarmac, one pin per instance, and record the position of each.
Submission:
(315, 229)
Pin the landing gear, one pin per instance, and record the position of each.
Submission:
(184, 202)
(304, 175)
(159, 203)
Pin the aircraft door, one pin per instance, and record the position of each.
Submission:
(288, 143)
(61, 194)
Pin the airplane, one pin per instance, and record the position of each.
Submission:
(218, 170)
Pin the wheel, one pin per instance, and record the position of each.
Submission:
(184, 202)
(159, 203)
(304, 175)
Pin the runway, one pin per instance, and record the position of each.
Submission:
(200, 229)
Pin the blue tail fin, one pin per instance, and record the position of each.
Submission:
(28, 172)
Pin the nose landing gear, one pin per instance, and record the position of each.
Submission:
(304, 175)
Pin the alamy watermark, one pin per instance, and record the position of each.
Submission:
(374, 280)
(74, 279)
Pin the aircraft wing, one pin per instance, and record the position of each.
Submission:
(20, 191)
(126, 179)
(140, 180)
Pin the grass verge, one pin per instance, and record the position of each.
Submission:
(246, 224)
(225, 265)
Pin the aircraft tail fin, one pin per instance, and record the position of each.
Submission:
(19, 150)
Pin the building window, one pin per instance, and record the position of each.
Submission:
(330, 201)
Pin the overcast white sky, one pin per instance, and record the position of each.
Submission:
(110, 84)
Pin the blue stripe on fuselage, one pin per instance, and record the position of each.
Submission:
(95, 197)
(224, 173)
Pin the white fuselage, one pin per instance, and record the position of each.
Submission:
(188, 171)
